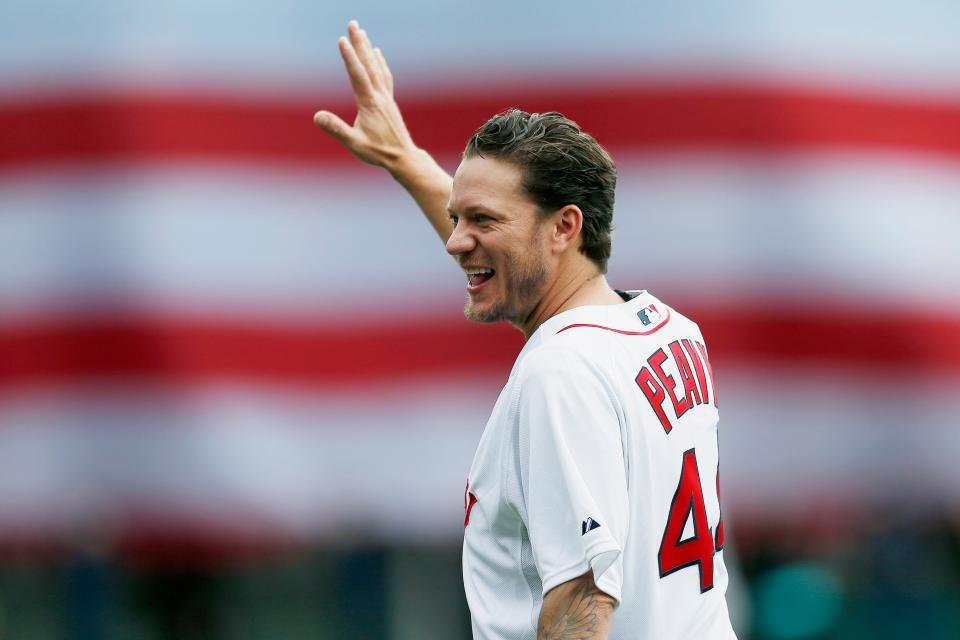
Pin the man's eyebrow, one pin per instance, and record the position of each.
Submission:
(472, 209)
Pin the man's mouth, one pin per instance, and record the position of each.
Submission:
(477, 277)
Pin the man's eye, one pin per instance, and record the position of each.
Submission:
(483, 218)
(454, 220)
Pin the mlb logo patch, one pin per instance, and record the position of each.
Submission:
(650, 315)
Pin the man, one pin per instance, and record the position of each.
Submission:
(592, 508)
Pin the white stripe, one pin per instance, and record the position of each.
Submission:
(790, 440)
(333, 465)
(283, 243)
(292, 43)
(859, 227)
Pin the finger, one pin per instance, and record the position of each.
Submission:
(359, 78)
(333, 125)
(361, 44)
(384, 69)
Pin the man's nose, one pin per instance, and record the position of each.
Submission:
(460, 241)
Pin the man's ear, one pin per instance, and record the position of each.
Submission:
(566, 228)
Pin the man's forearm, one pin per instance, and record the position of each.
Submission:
(429, 185)
(576, 609)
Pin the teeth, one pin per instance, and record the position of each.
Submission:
(477, 272)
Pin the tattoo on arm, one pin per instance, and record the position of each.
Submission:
(575, 610)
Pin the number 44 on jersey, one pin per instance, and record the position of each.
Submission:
(698, 549)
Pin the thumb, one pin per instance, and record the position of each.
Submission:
(333, 125)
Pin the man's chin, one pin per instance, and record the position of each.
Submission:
(485, 315)
(475, 315)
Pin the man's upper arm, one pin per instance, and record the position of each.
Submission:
(575, 609)
(572, 470)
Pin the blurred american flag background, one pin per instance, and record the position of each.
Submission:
(220, 333)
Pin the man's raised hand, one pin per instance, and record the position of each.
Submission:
(378, 135)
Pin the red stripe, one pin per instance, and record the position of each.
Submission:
(189, 351)
(621, 331)
(145, 539)
(636, 116)
(183, 351)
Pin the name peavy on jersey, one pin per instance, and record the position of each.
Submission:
(601, 454)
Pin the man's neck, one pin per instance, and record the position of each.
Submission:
(577, 287)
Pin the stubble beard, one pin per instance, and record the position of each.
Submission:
(521, 291)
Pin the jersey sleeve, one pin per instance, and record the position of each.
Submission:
(572, 471)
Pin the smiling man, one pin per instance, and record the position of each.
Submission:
(592, 507)
(526, 249)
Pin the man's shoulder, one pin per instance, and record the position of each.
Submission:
(588, 339)
(566, 355)
(557, 351)
(641, 318)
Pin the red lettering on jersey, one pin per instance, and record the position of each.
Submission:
(698, 366)
(706, 361)
(655, 395)
(676, 554)
(656, 361)
(686, 374)
(468, 501)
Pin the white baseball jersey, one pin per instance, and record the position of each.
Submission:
(601, 454)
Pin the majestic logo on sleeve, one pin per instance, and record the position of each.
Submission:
(589, 525)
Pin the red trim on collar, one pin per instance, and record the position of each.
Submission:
(622, 331)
